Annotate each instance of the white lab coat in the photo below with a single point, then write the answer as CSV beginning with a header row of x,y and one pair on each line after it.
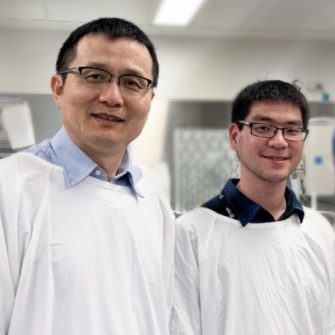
x,y
275,278
90,259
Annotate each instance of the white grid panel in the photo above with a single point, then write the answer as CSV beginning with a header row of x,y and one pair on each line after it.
x,y
204,161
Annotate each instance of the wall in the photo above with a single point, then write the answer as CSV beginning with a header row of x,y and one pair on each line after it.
x,y
217,69
191,68
27,60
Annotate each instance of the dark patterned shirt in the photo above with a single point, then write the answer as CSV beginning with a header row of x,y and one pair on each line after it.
x,y
233,203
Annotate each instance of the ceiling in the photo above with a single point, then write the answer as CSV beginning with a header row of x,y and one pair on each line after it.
x,y
310,19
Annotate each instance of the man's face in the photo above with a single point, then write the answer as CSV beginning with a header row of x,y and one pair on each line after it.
x,y
104,120
268,159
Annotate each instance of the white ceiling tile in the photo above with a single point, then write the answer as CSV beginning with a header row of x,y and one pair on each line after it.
x,y
226,14
235,18
83,10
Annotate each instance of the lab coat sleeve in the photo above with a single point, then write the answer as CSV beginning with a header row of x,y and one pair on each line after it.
x,y
9,255
331,317
6,285
18,206
186,313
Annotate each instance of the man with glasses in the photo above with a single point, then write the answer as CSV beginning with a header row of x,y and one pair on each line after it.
x,y
253,260
86,243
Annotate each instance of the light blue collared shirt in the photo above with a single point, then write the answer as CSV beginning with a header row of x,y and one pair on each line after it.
x,y
62,151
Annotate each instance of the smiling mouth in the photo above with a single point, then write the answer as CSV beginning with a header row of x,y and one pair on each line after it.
x,y
107,117
277,159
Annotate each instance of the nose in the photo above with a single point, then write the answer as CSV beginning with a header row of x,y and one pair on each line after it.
x,y
278,140
111,94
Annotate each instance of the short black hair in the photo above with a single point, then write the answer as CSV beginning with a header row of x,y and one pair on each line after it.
x,y
113,28
272,91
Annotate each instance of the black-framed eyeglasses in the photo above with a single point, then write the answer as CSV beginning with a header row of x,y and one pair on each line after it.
x,y
296,134
100,78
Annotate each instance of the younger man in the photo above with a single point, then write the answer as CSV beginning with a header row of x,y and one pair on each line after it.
x,y
253,260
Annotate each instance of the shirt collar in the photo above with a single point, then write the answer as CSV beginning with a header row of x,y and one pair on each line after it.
x,y
245,210
78,166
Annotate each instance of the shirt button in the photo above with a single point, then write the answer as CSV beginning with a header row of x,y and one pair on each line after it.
x,y
97,172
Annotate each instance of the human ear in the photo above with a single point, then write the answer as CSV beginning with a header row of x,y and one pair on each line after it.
x,y
153,93
233,132
57,88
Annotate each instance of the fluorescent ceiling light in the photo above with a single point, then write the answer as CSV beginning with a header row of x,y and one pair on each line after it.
x,y
177,12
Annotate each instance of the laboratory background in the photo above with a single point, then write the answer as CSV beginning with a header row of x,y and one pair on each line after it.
x,y
206,54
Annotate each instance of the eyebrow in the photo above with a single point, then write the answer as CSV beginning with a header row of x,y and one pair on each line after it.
x,y
266,119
